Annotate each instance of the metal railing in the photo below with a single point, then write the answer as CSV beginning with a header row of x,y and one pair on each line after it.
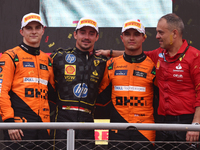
x,y
71,126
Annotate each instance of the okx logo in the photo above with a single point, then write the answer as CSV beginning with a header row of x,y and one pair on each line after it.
x,y
80,90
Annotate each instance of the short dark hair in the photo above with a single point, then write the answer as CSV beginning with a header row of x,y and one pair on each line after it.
x,y
174,22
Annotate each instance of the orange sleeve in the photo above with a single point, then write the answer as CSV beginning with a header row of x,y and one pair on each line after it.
x,y
106,80
7,71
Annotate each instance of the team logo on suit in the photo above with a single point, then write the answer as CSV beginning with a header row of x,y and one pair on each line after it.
x,y
70,58
80,90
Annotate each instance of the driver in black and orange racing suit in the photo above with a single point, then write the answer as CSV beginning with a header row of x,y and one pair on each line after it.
x,y
132,96
26,76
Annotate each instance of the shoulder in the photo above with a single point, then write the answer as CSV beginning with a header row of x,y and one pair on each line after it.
x,y
12,52
60,52
101,57
115,60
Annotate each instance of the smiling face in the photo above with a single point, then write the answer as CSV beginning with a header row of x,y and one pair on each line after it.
x,y
32,34
132,40
86,38
164,35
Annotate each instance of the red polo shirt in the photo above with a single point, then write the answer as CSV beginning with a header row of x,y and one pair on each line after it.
x,y
178,82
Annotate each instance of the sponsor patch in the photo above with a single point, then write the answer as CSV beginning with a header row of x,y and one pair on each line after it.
x,y
0,85
153,71
69,78
132,23
1,80
43,67
160,55
139,74
2,63
80,90
70,69
29,64
70,58
45,109
1,69
32,17
95,73
88,21
130,88
1,75
35,80
110,67
96,62
121,72
158,64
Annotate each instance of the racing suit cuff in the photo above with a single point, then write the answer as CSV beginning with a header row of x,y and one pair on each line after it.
x,y
9,120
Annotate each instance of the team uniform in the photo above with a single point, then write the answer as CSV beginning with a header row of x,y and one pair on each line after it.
x,y
132,79
175,104
77,76
26,76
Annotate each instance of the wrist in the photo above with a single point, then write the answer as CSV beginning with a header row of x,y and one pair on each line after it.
x,y
111,53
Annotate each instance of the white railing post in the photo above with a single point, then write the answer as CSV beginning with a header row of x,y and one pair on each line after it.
x,y
70,139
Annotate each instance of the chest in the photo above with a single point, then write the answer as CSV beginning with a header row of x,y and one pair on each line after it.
x,y
178,71
131,74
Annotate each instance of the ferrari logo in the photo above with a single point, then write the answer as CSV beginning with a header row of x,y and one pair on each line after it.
x,y
96,62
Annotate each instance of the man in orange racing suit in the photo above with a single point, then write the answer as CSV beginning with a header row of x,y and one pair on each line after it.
x,y
26,75
132,76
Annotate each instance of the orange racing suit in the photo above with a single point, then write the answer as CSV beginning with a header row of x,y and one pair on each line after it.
x,y
132,81
26,75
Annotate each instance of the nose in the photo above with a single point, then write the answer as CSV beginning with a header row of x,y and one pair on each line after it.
x,y
132,37
87,36
157,35
34,30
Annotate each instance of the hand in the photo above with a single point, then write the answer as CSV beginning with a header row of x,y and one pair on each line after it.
x,y
192,136
15,134
102,52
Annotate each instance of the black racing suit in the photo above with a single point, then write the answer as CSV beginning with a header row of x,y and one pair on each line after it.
x,y
78,75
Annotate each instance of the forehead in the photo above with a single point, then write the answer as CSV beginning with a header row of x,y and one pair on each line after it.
x,y
131,30
87,28
33,23
162,24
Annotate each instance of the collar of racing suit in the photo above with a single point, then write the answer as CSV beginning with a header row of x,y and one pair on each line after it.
x,y
134,59
29,49
83,53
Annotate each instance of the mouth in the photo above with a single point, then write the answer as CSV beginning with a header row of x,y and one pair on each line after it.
x,y
86,41
131,43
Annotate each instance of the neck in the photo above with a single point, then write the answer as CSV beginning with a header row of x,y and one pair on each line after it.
x,y
133,52
31,44
175,48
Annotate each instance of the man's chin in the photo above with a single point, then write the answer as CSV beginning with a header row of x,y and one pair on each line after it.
x,y
85,48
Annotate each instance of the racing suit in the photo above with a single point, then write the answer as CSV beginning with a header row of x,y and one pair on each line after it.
x,y
77,77
26,75
132,79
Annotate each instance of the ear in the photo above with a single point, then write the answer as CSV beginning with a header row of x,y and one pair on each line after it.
x,y
175,33
97,37
121,36
144,37
75,35
21,32
43,30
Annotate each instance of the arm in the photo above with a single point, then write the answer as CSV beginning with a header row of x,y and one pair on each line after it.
x,y
108,53
195,74
192,136
7,111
